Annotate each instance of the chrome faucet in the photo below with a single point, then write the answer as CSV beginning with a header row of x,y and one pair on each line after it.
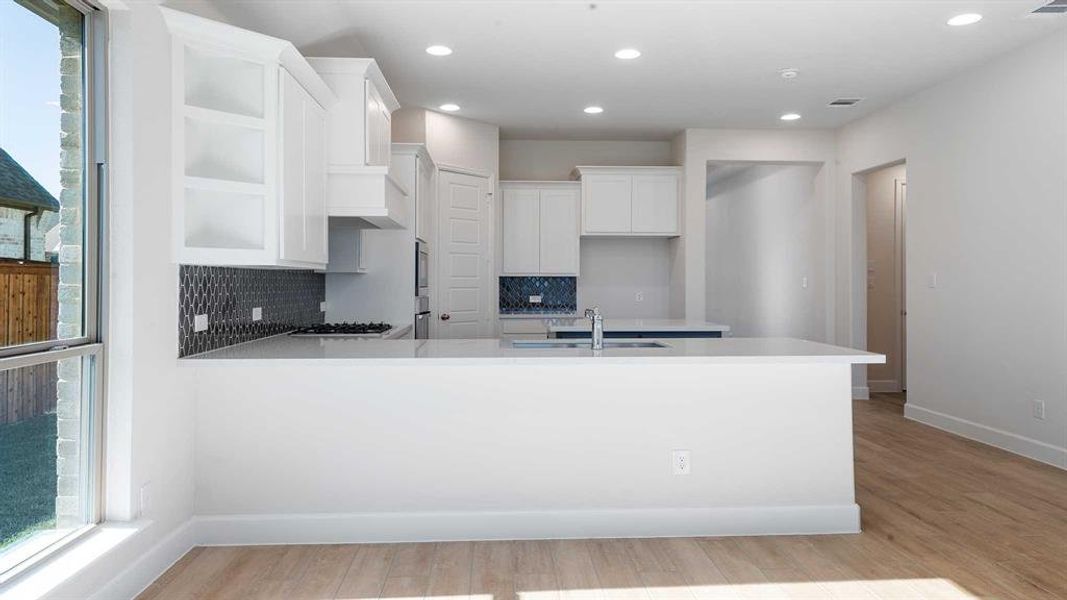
x,y
593,314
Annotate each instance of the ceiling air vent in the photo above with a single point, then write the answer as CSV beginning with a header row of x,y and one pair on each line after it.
x,y
848,101
1056,7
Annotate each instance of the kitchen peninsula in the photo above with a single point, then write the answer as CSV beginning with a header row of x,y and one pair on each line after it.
x,y
373,440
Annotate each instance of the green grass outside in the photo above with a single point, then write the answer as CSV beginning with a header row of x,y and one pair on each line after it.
x,y
27,477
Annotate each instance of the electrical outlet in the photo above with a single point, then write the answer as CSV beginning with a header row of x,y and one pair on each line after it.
x,y
931,281
146,499
804,282
639,297
681,463
322,307
1039,409
257,313
536,299
200,323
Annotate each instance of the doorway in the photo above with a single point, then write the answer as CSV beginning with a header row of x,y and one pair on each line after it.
x,y
886,208
463,251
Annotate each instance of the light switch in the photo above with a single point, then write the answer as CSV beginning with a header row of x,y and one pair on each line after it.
x,y
200,323
322,307
931,281
257,313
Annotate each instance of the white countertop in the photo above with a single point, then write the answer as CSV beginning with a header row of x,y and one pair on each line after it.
x,y
349,351
643,325
538,315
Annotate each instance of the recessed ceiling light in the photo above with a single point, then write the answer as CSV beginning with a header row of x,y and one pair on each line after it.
x,y
628,53
449,107
593,110
790,117
965,19
789,73
439,50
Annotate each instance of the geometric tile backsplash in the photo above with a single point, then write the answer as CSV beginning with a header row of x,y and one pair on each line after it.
x,y
558,294
289,298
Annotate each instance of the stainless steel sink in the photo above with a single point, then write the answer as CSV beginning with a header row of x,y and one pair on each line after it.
x,y
583,344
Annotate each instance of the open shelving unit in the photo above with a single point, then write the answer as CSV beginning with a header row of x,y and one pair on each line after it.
x,y
226,110
248,170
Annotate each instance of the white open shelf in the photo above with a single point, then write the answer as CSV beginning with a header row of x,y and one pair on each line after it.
x,y
209,115
224,83
224,219
223,151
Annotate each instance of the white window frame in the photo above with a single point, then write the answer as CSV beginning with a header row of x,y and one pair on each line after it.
x,y
90,345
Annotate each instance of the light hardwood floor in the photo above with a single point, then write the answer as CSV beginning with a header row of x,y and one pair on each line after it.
x,y
943,517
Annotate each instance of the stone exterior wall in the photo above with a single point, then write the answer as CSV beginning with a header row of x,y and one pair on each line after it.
x,y
11,224
69,500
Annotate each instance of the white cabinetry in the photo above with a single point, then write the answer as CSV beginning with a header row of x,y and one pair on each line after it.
x,y
630,201
540,228
379,127
244,193
359,133
415,170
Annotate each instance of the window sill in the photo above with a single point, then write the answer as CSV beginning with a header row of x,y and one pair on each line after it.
x,y
67,557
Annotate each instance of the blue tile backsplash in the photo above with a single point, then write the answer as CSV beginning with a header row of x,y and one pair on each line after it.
x,y
558,294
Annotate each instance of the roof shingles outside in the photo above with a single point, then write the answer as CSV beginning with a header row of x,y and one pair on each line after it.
x,y
18,189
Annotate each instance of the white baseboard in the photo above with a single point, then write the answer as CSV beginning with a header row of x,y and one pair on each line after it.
x,y
224,530
1005,440
883,385
861,392
132,580
456,526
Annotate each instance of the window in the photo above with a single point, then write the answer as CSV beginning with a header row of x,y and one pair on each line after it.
x,y
50,165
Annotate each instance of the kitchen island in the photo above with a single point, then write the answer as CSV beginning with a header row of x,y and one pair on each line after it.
x,y
319,440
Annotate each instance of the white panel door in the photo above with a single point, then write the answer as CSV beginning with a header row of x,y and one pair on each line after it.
x,y
521,231
559,231
606,203
315,220
464,231
655,203
292,211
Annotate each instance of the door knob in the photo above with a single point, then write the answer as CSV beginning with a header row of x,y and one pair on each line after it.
x,y
445,316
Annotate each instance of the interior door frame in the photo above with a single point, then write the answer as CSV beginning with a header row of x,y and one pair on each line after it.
x,y
900,206
492,290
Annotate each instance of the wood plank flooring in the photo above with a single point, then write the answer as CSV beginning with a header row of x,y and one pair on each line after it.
x,y
943,518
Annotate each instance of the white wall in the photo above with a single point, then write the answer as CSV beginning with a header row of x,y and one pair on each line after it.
x,y
386,292
765,235
553,160
451,140
698,147
986,191
614,271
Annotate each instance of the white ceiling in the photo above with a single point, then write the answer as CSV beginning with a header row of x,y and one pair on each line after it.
x,y
531,66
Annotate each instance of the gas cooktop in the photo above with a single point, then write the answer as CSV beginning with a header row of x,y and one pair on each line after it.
x,y
352,329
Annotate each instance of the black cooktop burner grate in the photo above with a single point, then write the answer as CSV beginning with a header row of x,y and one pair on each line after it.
x,y
345,329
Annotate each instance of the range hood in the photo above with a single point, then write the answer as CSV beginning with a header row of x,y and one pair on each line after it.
x,y
358,182
368,193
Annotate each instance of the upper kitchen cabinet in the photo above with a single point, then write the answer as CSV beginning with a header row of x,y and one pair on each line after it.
x,y
416,171
540,227
630,201
359,134
249,154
